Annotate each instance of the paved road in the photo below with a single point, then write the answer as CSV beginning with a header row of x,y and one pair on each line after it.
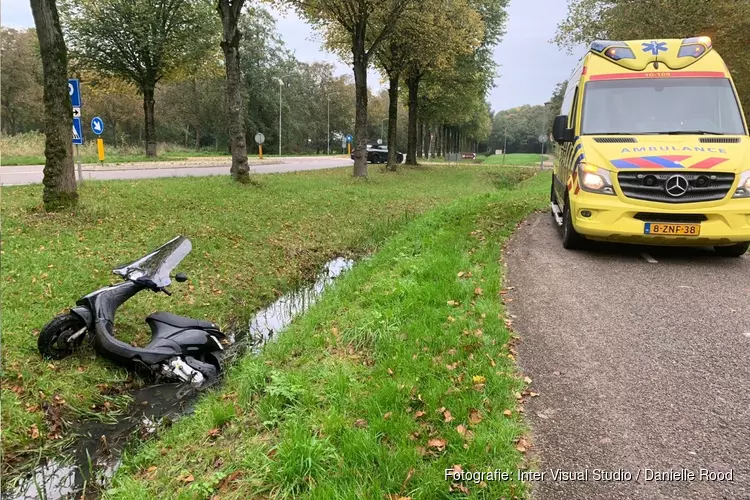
x,y
638,365
32,174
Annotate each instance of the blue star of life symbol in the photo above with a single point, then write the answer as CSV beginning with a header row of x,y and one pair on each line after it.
x,y
655,47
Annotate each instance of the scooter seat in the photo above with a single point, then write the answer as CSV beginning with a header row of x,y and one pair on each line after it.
x,y
180,321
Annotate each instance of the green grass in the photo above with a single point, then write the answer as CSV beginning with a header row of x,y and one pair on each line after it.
x,y
401,371
250,244
518,159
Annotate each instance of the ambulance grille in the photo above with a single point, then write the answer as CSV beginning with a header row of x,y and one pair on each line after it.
x,y
702,187
720,140
614,140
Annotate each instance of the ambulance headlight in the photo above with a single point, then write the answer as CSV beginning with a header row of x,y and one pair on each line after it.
x,y
743,187
594,179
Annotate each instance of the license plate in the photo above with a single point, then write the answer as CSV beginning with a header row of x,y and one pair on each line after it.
x,y
672,229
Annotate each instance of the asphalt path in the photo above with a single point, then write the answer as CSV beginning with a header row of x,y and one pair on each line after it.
x,y
33,174
642,361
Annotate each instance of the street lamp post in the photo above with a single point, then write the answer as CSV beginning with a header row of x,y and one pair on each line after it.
x,y
329,119
281,83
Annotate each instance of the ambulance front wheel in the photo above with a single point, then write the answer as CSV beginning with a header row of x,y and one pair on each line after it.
x,y
571,239
737,250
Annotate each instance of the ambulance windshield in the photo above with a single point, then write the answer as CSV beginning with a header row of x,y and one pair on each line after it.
x,y
661,106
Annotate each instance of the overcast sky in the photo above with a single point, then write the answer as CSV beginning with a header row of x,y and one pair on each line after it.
x,y
529,65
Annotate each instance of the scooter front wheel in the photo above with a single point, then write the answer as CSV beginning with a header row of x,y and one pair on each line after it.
x,y
54,340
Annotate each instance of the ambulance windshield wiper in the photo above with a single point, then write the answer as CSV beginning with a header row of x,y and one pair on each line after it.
x,y
691,132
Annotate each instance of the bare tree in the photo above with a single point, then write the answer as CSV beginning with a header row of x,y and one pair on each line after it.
x,y
59,176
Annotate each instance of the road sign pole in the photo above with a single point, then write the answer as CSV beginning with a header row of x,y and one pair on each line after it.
x,y
78,159
260,151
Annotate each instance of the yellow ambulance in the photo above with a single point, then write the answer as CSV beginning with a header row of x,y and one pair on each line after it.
x,y
653,148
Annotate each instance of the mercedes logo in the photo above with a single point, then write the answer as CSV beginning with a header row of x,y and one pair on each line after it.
x,y
677,185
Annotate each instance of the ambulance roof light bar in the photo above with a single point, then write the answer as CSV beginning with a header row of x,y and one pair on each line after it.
x,y
612,50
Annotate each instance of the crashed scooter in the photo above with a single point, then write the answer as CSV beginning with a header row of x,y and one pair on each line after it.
x,y
181,349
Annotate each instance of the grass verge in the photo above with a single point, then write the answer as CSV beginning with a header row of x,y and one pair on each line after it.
x,y
403,370
251,243
517,159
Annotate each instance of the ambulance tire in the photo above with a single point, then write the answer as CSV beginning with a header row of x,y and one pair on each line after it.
x,y
571,239
737,250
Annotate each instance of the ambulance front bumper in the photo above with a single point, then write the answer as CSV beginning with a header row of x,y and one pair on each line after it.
x,y
609,218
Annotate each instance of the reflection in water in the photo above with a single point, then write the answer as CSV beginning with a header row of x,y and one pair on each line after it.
x,y
277,316
100,445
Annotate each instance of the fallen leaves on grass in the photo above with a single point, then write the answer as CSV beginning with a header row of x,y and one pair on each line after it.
x,y
508,413
34,431
478,291
437,444
474,416
419,414
522,445
360,423
452,303
188,478
388,415
459,487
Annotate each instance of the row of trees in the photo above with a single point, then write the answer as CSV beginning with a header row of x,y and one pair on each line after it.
x,y
440,51
189,107
727,22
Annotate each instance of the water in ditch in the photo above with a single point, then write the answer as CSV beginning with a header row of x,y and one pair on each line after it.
x,y
90,462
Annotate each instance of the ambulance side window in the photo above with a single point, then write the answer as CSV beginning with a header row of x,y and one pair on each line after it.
x,y
574,111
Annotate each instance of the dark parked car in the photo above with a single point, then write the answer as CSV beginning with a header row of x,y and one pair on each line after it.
x,y
377,153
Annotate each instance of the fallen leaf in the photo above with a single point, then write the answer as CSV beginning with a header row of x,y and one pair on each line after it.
x,y
460,274
360,422
388,415
447,417
437,443
214,432
419,414
460,487
533,394
452,303
522,445
474,416
414,435
508,413
478,291
187,479
451,319
452,366
527,380
151,469
479,379
34,431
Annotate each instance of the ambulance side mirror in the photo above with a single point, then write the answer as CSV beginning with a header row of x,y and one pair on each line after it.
x,y
560,130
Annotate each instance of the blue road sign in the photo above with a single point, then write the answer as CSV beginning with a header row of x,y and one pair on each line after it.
x,y
74,90
77,131
349,138
97,125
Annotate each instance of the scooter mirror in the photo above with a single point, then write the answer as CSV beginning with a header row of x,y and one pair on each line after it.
x,y
180,277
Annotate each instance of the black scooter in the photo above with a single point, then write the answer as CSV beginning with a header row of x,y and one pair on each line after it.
x,y
181,349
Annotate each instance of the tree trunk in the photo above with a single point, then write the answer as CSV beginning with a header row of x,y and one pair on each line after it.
x,y
148,111
59,175
197,137
360,91
411,151
229,11
392,120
